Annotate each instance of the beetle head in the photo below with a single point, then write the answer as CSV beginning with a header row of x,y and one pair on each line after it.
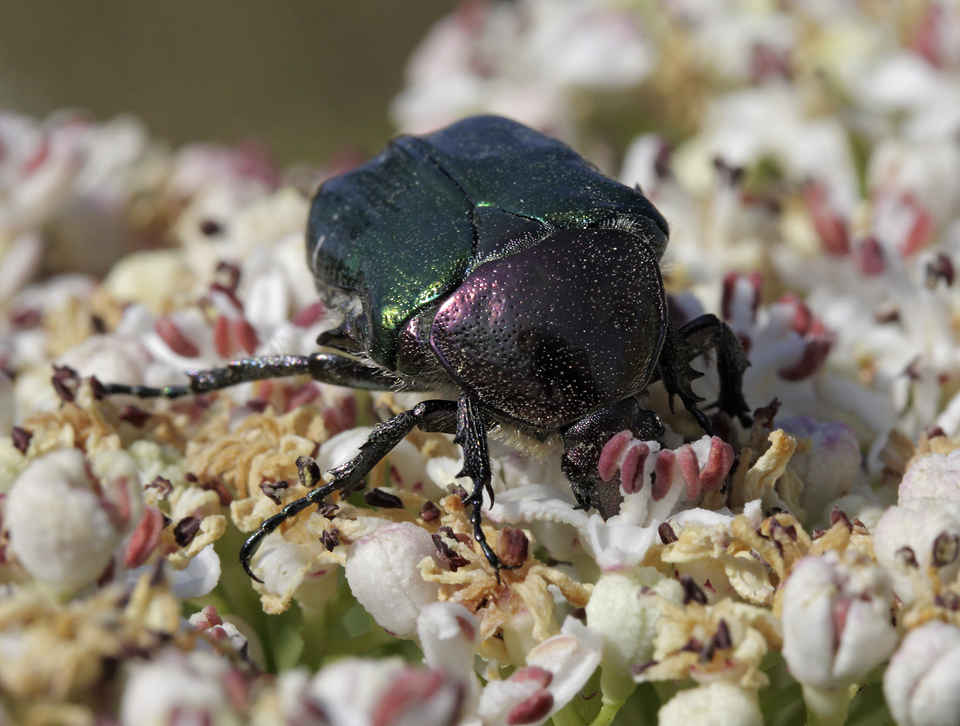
x,y
557,330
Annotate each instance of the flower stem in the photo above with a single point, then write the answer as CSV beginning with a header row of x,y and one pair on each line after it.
x,y
826,706
608,712
566,716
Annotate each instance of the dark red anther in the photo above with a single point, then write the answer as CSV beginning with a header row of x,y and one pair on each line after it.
x,y
945,549
690,469
448,554
719,463
513,547
921,231
661,163
721,638
667,535
145,537
21,439
65,382
309,315
404,699
631,470
838,515
383,499
870,257
211,228
134,416
245,335
209,618
610,455
733,284
227,276
830,227
536,708
768,62
639,668
692,591
429,512
163,486
38,158
174,337
907,556
815,352
272,489
330,539
802,317
185,530
221,337
662,474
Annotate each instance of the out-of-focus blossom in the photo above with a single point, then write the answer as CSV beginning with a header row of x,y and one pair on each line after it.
x,y
836,621
933,476
920,684
829,469
177,685
914,540
555,672
65,518
525,62
720,702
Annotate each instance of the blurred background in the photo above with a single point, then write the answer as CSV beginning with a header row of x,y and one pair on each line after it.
x,y
303,77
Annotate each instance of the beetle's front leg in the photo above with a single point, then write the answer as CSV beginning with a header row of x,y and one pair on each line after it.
x,y
583,442
693,339
333,368
472,436
708,331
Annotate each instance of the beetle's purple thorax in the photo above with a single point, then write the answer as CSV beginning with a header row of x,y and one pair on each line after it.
x,y
549,334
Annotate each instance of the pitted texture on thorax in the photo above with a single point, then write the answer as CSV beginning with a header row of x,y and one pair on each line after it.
x,y
558,330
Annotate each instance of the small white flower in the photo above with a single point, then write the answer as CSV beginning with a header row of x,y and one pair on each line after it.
x,y
628,623
64,526
385,692
934,476
176,684
712,704
913,537
448,634
383,573
829,470
555,672
836,621
922,682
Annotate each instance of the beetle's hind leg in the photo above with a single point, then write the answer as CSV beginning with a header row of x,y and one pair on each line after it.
x,y
333,368
428,415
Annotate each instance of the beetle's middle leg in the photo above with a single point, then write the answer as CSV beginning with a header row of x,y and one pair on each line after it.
x,y
472,437
429,415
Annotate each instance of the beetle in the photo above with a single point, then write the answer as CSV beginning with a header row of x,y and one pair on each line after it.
x,y
492,265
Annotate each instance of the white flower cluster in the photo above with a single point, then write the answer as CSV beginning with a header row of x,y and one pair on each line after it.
x,y
806,157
